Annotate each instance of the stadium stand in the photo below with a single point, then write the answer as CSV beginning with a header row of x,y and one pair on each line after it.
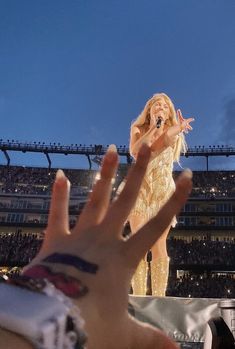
x,y
201,247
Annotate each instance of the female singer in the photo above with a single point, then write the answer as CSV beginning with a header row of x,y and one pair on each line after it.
x,y
157,126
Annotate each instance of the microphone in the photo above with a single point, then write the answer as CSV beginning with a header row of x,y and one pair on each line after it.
x,y
159,122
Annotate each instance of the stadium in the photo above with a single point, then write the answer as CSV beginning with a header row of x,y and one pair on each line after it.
x,y
201,246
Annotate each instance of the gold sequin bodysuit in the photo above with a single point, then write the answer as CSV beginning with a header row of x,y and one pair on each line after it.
x,y
157,186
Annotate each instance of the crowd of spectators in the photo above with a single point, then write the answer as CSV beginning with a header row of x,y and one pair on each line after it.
x,y
213,184
201,252
202,286
18,249
38,181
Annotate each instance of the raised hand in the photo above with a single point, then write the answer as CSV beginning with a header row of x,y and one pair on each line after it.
x,y
97,238
184,123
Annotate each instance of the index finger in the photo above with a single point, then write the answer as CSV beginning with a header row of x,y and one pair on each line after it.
x,y
58,214
179,114
98,201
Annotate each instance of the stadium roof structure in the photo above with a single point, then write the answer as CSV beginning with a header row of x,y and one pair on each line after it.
x,y
98,150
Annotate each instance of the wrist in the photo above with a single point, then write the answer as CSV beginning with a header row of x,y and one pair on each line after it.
x,y
182,127
63,279
64,271
34,279
49,317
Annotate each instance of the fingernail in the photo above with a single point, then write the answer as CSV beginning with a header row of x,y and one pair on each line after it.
x,y
112,148
187,173
111,154
59,174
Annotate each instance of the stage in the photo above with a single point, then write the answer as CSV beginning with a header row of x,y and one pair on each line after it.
x,y
182,319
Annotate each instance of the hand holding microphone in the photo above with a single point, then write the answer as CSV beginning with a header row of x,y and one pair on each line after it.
x,y
159,122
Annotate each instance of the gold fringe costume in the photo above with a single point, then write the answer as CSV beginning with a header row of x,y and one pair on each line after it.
x,y
157,187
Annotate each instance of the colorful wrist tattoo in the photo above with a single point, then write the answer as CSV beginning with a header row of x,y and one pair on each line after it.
x,y
76,262
35,278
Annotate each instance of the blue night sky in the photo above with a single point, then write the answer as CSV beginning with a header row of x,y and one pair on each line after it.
x,y
81,71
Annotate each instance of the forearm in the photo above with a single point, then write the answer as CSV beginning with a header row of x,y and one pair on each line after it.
x,y
135,145
168,139
11,340
174,131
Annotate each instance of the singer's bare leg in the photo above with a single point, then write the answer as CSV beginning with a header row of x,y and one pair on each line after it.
x,y
159,249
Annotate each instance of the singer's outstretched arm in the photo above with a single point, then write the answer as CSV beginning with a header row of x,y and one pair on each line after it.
x,y
158,137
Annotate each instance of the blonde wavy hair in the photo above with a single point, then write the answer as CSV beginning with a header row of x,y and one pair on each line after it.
x,y
143,120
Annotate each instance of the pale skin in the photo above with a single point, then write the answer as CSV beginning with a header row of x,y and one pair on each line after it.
x,y
97,237
158,139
